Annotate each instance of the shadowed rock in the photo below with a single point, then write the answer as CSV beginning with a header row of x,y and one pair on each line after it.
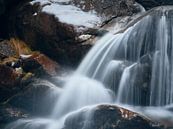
x,y
107,117
148,4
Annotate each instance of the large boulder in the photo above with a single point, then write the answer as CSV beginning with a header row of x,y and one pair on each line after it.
x,y
107,117
38,98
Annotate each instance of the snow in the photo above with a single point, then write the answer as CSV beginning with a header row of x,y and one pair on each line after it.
x,y
84,37
49,1
35,14
70,14
40,1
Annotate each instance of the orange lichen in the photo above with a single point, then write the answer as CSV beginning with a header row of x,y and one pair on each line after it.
x,y
8,60
20,47
127,114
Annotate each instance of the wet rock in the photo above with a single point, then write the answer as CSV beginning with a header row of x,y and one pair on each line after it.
x,y
9,114
148,4
107,117
37,98
161,115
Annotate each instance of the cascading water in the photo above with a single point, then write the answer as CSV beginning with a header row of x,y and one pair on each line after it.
x,y
144,54
134,67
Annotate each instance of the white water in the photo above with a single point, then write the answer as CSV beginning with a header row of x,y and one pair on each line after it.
x,y
79,92
135,67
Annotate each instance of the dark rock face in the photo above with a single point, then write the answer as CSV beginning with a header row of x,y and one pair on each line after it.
x,y
9,82
6,6
2,7
148,4
107,117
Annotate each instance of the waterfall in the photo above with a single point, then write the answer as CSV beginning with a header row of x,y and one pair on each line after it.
x,y
80,92
143,53
133,67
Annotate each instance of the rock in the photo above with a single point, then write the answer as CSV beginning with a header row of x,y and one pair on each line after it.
x,y
20,47
17,55
107,117
37,62
6,49
9,114
8,76
19,65
13,48
9,82
6,6
46,26
148,4
109,8
162,115
37,98
2,7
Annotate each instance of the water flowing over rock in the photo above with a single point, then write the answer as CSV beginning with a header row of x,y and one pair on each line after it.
x,y
132,67
37,99
146,47
85,94
148,4
107,117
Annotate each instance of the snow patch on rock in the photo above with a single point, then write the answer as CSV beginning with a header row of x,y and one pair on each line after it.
x,y
70,14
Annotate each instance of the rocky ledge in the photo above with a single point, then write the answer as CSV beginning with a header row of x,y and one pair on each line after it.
x,y
108,117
